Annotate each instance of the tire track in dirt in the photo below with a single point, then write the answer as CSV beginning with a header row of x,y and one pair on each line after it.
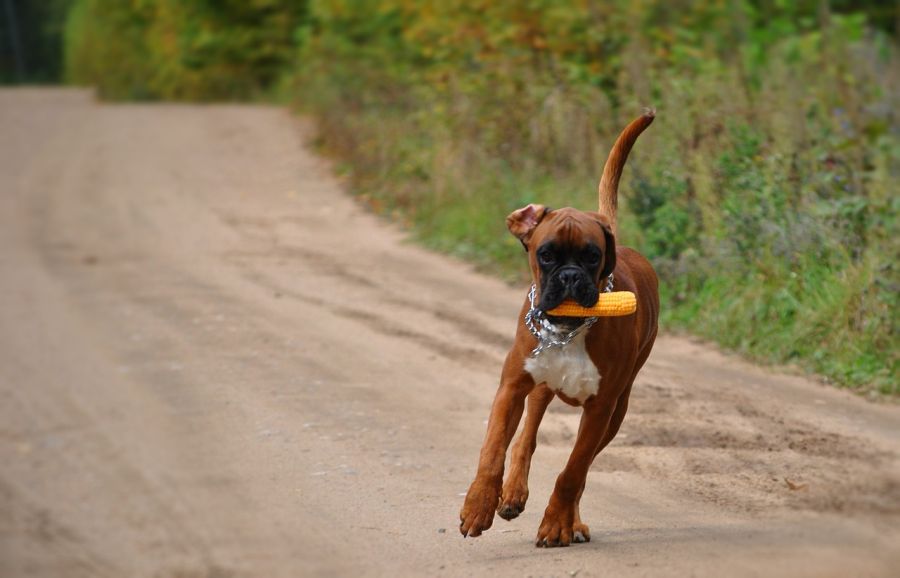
x,y
214,363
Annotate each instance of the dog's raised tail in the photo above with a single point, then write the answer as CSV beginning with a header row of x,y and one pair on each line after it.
x,y
612,171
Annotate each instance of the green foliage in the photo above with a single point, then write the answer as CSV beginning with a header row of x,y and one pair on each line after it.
x,y
204,49
762,193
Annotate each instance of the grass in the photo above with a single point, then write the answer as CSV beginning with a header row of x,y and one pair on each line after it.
x,y
764,193
761,193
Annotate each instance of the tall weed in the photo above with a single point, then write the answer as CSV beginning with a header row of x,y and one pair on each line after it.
x,y
169,49
763,194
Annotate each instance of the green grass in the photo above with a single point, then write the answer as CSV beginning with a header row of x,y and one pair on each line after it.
x,y
764,193
174,50
761,193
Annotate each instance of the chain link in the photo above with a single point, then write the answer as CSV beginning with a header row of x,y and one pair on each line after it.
x,y
546,334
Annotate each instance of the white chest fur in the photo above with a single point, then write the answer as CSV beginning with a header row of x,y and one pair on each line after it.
x,y
568,370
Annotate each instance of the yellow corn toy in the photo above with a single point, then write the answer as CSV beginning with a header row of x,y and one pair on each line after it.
x,y
615,304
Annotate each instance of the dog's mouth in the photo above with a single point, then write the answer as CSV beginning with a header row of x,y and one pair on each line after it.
x,y
568,284
563,324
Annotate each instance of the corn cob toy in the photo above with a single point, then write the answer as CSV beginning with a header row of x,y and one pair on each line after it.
x,y
614,304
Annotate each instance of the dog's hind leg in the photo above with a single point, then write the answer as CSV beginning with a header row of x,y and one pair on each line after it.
x,y
515,489
617,418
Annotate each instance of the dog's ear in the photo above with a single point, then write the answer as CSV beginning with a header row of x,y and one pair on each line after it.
x,y
522,222
609,255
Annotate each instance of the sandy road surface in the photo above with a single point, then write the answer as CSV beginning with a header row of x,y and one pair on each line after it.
x,y
213,364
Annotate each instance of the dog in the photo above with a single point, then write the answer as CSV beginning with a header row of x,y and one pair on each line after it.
x,y
590,363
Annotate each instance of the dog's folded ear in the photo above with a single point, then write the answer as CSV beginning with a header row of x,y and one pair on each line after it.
x,y
522,222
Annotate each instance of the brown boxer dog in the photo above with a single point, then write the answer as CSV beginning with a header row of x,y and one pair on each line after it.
x,y
587,363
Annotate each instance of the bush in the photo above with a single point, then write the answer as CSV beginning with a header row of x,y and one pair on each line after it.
x,y
760,194
764,193
168,49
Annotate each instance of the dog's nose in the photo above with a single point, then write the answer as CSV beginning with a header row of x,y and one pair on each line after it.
x,y
569,277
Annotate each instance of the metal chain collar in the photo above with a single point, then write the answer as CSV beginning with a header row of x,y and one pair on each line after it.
x,y
546,334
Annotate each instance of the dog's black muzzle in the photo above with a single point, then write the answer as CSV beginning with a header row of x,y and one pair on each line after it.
x,y
568,282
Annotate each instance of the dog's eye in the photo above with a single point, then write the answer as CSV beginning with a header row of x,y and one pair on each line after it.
x,y
592,257
546,258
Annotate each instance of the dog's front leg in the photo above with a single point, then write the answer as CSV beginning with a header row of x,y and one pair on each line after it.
x,y
515,488
477,513
558,526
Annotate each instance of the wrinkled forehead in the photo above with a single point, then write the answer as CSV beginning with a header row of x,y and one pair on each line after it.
x,y
569,228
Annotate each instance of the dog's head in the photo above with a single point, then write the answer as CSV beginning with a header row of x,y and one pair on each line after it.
x,y
571,252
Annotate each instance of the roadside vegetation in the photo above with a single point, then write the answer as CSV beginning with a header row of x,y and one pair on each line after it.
x,y
765,192
177,50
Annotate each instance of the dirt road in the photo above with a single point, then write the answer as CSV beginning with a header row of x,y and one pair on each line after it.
x,y
213,364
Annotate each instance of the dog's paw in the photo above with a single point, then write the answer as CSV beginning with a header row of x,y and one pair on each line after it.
x,y
581,533
557,528
477,513
512,502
